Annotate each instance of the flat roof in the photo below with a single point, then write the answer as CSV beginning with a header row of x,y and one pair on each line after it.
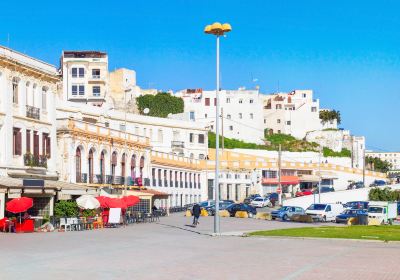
x,y
84,54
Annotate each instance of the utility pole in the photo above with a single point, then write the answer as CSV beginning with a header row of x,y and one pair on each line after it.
x,y
364,167
222,127
279,174
319,174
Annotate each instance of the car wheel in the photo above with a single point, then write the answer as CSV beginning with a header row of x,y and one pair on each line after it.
x,y
250,215
285,217
269,204
273,218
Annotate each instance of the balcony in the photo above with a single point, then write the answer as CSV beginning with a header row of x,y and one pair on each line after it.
x,y
35,160
32,112
177,144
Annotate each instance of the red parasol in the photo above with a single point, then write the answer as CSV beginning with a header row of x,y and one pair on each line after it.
x,y
103,201
18,205
131,200
116,203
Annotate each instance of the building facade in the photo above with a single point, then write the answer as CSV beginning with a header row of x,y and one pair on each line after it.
x,y
85,76
392,157
241,112
294,113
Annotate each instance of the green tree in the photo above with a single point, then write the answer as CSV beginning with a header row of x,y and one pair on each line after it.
x,y
377,164
66,208
386,194
160,105
330,115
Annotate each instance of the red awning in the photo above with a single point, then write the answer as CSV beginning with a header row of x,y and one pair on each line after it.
x,y
285,180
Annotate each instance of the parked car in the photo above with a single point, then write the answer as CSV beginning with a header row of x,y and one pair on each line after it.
x,y
286,212
349,213
383,211
222,206
324,211
250,198
378,183
355,185
304,192
233,208
324,190
227,201
207,203
356,205
261,202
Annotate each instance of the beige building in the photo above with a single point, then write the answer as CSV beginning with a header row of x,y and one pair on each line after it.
x,y
392,157
85,76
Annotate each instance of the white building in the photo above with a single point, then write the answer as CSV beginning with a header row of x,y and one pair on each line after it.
x,y
165,154
294,113
85,76
392,157
242,112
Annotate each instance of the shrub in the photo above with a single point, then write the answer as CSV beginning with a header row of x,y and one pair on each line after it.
x,y
66,208
386,194
160,105
330,153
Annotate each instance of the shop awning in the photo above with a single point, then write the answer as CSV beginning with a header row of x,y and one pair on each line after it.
x,y
149,193
309,178
327,175
285,180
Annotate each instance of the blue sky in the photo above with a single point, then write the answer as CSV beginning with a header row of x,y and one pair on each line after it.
x,y
346,51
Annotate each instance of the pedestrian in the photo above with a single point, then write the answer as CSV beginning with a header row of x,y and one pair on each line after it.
x,y
196,214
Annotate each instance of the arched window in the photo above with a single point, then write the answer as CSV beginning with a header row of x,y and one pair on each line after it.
x,y
90,163
78,165
141,166
102,168
15,82
114,162
133,167
123,165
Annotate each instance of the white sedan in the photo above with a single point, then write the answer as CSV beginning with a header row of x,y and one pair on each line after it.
x,y
260,202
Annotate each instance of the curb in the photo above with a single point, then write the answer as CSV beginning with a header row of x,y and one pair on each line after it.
x,y
323,238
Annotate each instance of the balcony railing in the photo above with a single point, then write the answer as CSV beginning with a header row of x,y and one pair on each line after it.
x,y
154,182
165,183
186,185
35,160
32,112
177,144
171,184
191,185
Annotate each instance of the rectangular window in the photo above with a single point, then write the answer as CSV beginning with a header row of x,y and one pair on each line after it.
x,y
278,106
74,72
81,90
228,100
251,115
96,73
205,116
313,109
74,89
240,115
191,136
251,101
81,72
288,122
240,101
278,121
28,141
231,127
96,91
46,145
207,101
201,138
44,99
17,141
215,101
192,116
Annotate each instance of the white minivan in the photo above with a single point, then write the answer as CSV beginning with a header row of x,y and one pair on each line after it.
x,y
324,211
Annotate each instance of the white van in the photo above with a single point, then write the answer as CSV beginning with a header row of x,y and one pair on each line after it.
x,y
385,212
324,211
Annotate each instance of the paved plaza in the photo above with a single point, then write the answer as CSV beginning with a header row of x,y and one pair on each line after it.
x,y
172,250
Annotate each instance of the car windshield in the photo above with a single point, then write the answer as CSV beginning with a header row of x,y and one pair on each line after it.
x,y
284,208
375,209
350,212
258,199
317,207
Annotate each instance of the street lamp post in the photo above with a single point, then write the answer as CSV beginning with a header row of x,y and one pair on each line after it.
x,y
218,30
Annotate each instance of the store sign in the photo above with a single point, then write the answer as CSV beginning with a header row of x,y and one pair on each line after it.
x,y
35,183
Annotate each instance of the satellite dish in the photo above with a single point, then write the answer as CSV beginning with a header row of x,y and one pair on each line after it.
x,y
146,111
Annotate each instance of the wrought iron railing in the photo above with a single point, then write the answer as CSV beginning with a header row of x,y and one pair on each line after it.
x,y
35,160
32,112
